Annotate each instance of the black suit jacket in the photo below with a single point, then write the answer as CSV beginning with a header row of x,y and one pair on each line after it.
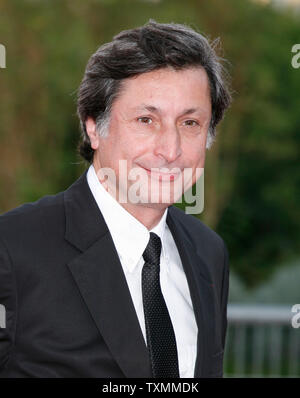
x,y
69,312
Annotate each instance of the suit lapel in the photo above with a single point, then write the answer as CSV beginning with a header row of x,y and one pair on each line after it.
x,y
200,285
99,276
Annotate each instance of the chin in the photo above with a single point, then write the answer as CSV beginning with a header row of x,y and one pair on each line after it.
x,y
155,205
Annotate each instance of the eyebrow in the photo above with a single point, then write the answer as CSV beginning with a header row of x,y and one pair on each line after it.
x,y
154,109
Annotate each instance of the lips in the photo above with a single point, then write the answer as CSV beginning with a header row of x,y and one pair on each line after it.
x,y
161,174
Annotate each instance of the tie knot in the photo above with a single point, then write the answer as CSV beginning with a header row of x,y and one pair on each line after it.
x,y
152,252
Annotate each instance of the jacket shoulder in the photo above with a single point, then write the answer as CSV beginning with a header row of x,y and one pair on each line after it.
x,y
25,216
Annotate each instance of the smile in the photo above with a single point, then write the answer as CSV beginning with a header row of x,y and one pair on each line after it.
x,y
162,175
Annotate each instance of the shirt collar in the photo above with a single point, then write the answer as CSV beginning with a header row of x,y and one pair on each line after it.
x,y
130,236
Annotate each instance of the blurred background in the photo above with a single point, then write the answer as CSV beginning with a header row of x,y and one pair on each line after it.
x,y
252,174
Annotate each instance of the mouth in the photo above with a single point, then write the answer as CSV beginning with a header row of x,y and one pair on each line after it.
x,y
163,174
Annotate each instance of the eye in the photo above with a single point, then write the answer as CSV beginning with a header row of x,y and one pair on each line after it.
x,y
191,123
145,120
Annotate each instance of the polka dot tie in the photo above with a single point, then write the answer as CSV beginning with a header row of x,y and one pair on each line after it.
x,y
160,335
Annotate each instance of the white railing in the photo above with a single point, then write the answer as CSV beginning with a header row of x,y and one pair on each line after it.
x,y
261,342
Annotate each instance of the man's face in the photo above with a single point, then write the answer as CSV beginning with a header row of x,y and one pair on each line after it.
x,y
160,120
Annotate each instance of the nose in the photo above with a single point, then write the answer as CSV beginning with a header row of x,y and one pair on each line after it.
x,y
168,144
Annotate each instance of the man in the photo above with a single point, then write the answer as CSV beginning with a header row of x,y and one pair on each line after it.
x,y
96,286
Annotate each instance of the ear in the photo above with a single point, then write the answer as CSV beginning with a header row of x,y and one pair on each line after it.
x,y
90,126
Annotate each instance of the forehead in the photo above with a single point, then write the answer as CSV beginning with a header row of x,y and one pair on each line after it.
x,y
189,87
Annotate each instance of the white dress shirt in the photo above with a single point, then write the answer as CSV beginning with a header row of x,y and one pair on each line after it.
x,y
131,237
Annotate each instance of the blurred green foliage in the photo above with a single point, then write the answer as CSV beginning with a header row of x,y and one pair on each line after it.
x,y
252,174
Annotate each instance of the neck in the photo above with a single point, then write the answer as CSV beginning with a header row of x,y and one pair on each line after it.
x,y
148,216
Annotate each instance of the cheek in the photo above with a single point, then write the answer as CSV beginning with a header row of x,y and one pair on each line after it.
x,y
134,149
194,154
129,143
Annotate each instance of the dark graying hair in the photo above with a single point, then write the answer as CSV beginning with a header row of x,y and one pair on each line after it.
x,y
144,49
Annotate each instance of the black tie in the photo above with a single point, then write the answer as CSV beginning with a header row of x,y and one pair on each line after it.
x,y
159,330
